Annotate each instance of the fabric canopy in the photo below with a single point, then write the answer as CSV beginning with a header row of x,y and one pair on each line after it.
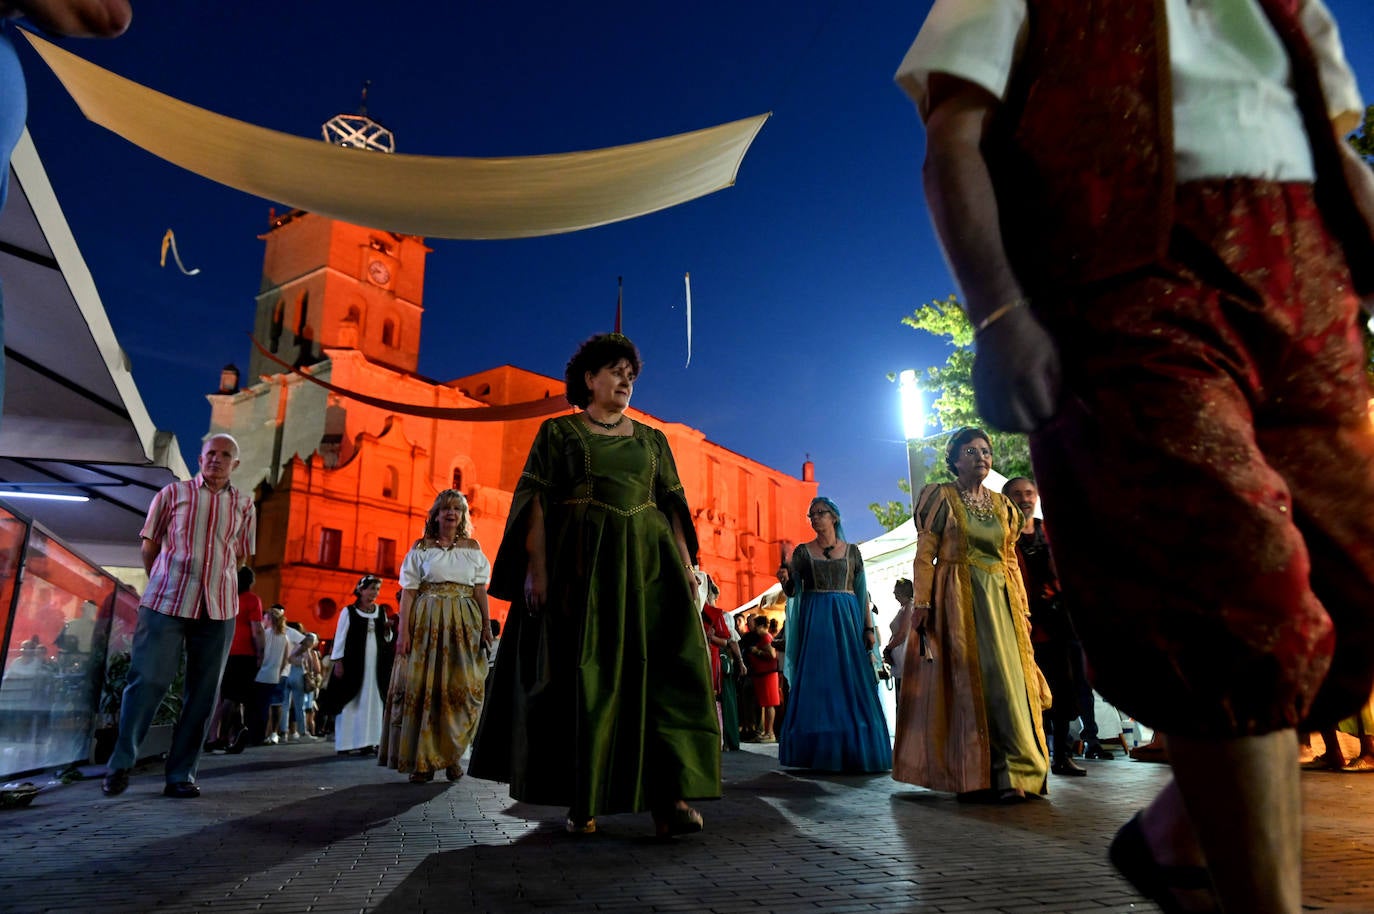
x,y
441,197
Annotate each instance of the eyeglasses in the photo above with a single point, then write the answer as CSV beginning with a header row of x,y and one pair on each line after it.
x,y
812,515
977,452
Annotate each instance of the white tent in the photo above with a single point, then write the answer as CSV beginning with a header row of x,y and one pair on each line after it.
x,y
73,421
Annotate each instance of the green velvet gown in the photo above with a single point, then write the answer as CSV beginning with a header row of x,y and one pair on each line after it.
x,y
602,703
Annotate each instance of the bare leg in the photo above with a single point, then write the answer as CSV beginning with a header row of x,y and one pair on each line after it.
x,y
1243,798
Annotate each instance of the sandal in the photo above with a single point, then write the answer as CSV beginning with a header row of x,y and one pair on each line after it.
x,y
1359,765
1130,854
453,772
1323,762
580,825
421,777
677,821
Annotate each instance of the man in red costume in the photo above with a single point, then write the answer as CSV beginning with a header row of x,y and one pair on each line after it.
x,y
1155,223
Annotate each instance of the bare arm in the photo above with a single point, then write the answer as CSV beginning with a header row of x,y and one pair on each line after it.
x,y
1016,371
1360,177
680,538
537,576
75,18
149,550
403,623
479,594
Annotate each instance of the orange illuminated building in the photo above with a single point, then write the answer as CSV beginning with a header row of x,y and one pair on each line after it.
x,y
343,486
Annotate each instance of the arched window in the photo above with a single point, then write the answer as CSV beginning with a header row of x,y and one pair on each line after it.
x,y
389,482
389,336
457,479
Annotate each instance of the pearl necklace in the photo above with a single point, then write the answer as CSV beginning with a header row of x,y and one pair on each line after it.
x,y
608,426
979,506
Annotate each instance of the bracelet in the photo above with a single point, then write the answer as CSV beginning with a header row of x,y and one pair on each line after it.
x,y
1000,313
868,630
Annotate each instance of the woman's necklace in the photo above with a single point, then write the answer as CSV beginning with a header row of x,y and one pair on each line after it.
x,y
980,506
608,426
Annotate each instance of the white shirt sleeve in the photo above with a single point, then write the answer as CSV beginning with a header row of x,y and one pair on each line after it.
x,y
481,570
975,40
1338,82
336,650
413,569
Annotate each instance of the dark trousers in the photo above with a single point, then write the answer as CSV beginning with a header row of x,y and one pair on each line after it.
x,y
158,643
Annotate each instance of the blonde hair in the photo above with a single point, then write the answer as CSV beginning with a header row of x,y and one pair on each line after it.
x,y
441,501
278,616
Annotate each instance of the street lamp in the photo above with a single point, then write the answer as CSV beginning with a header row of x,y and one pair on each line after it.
x,y
913,429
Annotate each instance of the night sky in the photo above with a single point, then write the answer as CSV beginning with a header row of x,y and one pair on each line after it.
x,y
800,273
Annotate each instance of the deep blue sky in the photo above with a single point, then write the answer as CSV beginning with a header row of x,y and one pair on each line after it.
x,y
800,273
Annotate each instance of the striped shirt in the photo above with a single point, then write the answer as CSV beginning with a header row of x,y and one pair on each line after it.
x,y
205,536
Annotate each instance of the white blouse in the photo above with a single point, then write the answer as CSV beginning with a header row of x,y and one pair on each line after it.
x,y
459,565
1234,112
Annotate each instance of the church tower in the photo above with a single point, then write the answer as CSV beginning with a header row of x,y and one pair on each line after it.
x,y
330,284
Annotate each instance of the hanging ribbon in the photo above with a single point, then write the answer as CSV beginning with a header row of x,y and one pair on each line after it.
x,y
529,409
170,241
687,281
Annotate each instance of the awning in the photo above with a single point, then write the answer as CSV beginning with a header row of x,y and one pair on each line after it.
x,y
434,196
72,413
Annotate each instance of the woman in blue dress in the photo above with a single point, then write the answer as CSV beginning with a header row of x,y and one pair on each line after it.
x,y
834,720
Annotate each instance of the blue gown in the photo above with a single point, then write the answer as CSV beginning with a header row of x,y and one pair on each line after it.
x,y
834,720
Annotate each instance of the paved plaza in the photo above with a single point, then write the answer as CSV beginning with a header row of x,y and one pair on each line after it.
x,y
297,828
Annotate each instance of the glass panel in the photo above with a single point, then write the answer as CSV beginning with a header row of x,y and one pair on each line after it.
x,y
55,661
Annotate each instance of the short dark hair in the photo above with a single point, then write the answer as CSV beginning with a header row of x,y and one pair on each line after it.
x,y
595,354
760,621
246,579
957,441
905,585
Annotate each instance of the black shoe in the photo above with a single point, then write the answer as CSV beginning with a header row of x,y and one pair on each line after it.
x,y
116,782
239,744
216,745
1131,855
1068,767
182,790
1099,752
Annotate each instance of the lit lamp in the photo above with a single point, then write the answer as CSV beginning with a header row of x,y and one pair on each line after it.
x,y
913,429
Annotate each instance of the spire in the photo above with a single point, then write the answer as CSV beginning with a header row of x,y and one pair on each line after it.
x,y
359,130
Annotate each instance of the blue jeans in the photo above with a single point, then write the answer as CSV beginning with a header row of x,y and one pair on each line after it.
x,y
295,700
158,643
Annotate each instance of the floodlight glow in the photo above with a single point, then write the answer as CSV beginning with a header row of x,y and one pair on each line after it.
x,y
913,409
44,496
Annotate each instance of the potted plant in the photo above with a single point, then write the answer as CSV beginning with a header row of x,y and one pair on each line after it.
x,y
159,738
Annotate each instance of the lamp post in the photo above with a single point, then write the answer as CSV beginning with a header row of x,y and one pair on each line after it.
x,y
913,429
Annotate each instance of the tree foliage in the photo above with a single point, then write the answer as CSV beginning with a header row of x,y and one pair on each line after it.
x,y
951,407
1363,138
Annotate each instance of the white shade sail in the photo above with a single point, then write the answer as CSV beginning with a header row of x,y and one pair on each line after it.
x,y
435,196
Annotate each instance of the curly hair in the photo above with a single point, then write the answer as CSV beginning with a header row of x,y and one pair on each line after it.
x,y
956,444
441,501
599,352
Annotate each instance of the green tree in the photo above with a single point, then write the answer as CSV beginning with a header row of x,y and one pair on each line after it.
x,y
951,408
1363,138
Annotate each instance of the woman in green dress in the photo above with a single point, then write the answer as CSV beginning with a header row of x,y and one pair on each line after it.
x,y
972,696
602,699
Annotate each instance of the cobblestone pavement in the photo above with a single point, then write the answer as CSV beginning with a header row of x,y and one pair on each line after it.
x,y
297,828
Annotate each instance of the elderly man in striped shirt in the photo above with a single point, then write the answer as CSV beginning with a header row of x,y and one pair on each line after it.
x,y
196,536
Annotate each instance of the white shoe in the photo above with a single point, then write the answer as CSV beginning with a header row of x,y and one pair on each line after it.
x,y
271,740
292,737
311,738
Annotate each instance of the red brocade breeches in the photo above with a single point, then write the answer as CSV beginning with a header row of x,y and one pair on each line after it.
x,y
1209,483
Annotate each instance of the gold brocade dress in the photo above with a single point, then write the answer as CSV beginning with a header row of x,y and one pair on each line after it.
x,y
971,718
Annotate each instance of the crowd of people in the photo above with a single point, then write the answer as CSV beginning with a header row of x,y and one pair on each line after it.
x,y
1171,298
